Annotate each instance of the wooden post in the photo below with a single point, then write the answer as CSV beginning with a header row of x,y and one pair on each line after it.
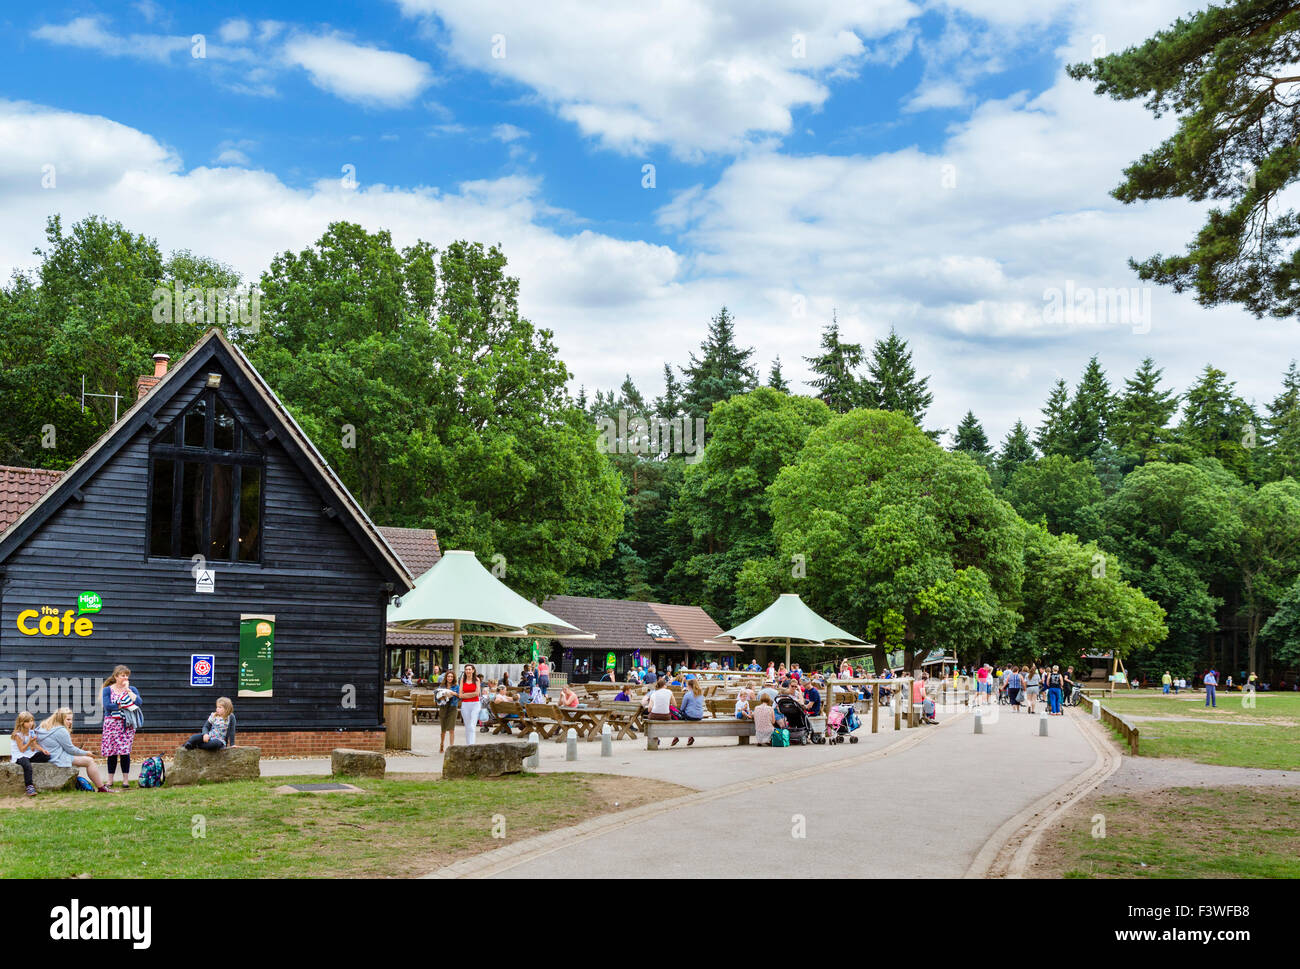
x,y
898,707
875,708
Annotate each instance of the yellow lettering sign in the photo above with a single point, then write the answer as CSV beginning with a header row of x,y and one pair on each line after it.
x,y
22,624
50,623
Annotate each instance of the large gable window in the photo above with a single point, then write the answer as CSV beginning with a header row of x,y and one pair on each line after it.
x,y
205,486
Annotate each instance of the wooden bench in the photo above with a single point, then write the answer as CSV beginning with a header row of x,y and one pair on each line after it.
x,y
545,718
625,718
722,707
423,703
655,730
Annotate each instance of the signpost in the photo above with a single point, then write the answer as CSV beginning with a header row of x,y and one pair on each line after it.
x,y
256,655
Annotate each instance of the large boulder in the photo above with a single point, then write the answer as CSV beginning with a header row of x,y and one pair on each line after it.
x,y
45,777
346,762
485,760
214,766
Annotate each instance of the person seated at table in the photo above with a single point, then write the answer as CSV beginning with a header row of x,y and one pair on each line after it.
x,y
608,677
692,707
764,719
659,701
567,697
622,695
502,694
676,680
743,711
408,678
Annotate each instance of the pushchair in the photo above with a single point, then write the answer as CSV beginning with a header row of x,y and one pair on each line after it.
x,y
841,721
797,722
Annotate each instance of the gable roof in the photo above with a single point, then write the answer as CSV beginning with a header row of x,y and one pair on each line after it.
x,y
20,488
215,347
621,624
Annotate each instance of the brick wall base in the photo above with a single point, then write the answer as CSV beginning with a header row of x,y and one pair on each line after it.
x,y
289,743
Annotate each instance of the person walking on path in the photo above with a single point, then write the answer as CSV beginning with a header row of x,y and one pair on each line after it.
x,y
1166,682
1211,681
543,675
471,701
1033,683
982,677
1054,683
121,703
1015,683
448,701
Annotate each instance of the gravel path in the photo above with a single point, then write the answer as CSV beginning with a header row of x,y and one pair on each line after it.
x,y
1155,773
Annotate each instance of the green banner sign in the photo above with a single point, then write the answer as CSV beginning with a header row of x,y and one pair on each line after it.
x,y
609,661
536,653
256,654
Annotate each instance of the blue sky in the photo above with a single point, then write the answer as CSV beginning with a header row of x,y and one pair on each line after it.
x,y
922,164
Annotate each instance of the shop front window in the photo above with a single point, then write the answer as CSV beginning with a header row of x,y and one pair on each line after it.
x,y
205,486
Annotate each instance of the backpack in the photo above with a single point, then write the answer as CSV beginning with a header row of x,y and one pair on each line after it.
x,y
781,737
83,784
152,773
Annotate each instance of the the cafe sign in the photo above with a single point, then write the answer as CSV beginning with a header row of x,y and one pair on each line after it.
x,y
49,621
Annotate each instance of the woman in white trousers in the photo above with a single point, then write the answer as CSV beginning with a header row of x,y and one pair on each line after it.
x,y
471,697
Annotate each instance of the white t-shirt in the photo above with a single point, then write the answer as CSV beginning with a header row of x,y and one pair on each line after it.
x,y
742,705
661,700
15,753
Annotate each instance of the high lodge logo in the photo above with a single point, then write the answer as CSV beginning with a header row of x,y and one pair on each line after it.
x,y
47,621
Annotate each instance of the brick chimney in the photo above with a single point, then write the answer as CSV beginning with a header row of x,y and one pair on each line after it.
x,y
145,384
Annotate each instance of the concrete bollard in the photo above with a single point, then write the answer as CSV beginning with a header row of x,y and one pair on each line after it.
x,y
1042,723
1096,709
979,720
535,760
571,745
606,741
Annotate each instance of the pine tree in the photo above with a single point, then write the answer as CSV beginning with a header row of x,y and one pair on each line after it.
x,y
1089,412
971,438
836,383
775,379
1140,423
891,382
1016,450
1281,444
720,372
1053,433
670,404
582,397
1216,423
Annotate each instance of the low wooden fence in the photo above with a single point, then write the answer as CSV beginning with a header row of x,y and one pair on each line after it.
x,y
1125,728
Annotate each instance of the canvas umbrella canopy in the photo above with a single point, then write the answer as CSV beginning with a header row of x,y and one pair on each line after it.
x,y
458,592
788,621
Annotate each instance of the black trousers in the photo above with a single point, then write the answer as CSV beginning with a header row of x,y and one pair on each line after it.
x,y
26,764
112,764
197,741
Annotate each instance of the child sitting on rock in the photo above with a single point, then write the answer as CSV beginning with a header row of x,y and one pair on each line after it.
x,y
219,731
24,750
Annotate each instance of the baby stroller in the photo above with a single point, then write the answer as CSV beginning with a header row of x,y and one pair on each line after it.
x,y
841,722
796,718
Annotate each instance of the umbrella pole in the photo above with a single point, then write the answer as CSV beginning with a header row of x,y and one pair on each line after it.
x,y
787,655
455,648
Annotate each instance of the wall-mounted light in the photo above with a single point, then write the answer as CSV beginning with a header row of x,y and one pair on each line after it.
x,y
214,380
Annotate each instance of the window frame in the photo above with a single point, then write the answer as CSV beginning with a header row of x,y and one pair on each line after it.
x,y
248,454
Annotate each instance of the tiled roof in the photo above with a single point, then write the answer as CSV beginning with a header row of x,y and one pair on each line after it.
x,y
19,490
621,624
418,549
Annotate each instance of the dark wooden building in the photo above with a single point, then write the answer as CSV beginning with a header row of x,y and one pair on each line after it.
x,y
97,567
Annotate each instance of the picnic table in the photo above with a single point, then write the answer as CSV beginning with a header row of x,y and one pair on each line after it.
x,y
586,720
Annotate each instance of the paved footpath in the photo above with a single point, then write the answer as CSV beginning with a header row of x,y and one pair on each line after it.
x,y
936,793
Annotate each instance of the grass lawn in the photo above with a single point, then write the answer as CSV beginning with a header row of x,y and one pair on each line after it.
x,y
1188,832
1266,735
397,828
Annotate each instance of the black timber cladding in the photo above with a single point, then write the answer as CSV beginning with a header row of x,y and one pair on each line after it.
x,y
324,581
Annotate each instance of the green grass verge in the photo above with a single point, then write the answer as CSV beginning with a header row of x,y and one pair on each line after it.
x,y
1226,832
245,830
1266,735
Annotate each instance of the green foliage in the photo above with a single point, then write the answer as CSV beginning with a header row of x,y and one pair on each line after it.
x,y
1075,602
1268,553
1282,631
775,380
1140,423
891,383
722,514
1060,493
898,535
1175,527
720,372
1053,435
836,382
1089,413
457,406
1216,423
971,439
1227,73
1016,451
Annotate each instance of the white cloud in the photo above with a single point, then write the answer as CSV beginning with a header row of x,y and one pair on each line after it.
x,y
507,133
235,31
697,76
89,33
359,73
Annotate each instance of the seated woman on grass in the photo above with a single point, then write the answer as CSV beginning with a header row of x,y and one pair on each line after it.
x,y
55,736
219,731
